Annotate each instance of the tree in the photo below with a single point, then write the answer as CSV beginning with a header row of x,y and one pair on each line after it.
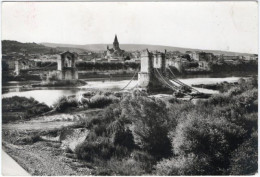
x,y
150,124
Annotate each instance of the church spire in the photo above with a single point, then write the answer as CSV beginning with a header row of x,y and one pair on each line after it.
x,y
115,40
116,43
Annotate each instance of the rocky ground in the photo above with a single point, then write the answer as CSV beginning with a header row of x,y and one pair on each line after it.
x,y
47,156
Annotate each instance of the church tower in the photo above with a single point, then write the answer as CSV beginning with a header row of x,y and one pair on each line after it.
x,y
116,43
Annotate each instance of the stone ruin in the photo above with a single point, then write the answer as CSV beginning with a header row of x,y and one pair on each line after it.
x,y
66,67
153,70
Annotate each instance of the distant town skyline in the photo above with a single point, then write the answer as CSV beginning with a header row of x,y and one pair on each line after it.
x,y
227,26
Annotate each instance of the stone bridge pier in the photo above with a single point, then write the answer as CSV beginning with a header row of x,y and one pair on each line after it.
x,y
66,67
153,69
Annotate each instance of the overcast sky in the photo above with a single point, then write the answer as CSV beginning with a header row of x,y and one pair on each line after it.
x,y
229,26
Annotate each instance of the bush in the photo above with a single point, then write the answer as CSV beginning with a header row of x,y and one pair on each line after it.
x,y
102,148
64,103
37,110
189,164
125,167
146,160
212,137
124,138
90,150
101,101
19,108
29,139
244,160
150,124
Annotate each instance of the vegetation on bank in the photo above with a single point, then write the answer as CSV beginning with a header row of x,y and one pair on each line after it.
x,y
219,68
21,108
106,65
61,83
241,66
141,135
88,101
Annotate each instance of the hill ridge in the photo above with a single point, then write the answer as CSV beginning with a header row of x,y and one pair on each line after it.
x,y
134,47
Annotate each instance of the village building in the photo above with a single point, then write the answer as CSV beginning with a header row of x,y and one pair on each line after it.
x,y
115,52
179,63
204,65
202,56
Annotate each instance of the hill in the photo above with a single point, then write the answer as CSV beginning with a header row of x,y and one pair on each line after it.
x,y
9,46
15,46
49,48
134,47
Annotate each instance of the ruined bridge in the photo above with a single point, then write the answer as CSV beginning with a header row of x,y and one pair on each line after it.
x,y
153,76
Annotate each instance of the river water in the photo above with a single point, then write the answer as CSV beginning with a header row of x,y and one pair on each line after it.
x,y
49,95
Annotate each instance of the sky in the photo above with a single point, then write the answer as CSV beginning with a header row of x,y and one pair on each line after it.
x,y
228,26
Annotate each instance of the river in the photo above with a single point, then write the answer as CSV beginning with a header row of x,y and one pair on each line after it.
x,y
49,95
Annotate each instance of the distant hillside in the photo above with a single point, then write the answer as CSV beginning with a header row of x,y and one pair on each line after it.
x,y
14,46
34,48
134,47
49,48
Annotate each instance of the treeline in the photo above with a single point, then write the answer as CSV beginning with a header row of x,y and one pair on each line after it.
x,y
251,66
106,65
138,135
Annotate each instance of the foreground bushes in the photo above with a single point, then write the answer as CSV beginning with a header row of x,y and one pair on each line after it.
x,y
215,136
142,135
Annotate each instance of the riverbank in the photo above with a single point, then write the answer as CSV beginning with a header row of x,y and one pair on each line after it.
x,y
32,145
61,83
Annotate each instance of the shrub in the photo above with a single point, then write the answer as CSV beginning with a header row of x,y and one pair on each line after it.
x,y
124,138
145,159
244,160
37,110
64,103
101,101
212,136
101,148
125,167
189,164
149,123
19,108
30,139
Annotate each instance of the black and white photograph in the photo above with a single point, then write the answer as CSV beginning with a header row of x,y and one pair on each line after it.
x,y
129,88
